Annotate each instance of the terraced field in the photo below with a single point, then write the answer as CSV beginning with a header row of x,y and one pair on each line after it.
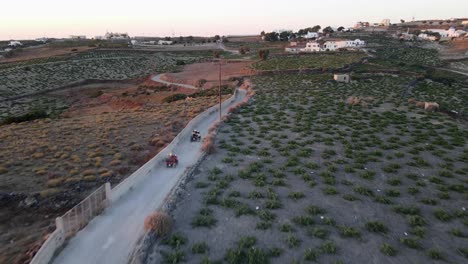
x,y
309,61
300,175
23,78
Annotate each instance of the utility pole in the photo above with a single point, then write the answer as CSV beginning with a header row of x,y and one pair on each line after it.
x,y
219,89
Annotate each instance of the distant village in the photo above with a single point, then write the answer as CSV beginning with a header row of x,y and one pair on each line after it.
x,y
316,39
313,39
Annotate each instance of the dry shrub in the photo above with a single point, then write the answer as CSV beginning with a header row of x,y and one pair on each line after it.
x,y
353,100
41,172
72,180
74,172
88,172
362,101
115,162
49,192
431,106
3,170
411,101
157,142
420,104
55,182
37,155
214,127
90,178
158,222
106,174
208,143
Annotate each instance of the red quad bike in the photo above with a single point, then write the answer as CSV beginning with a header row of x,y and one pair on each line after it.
x,y
172,160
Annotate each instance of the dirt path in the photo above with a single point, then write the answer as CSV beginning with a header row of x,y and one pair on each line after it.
x,y
459,72
112,236
158,79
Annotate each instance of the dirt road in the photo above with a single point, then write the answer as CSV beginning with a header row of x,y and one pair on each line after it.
x,y
111,237
157,78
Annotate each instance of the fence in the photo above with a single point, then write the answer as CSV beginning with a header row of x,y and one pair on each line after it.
x,y
80,215
73,221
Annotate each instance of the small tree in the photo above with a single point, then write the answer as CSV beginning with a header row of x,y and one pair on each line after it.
x,y
402,21
340,29
201,83
216,54
263,54
315,28
328,30
242,50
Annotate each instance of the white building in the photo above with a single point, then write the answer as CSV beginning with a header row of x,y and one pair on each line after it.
x,y
116,36
385,22
165,42
451,33
311,35
328,45
15,43
425,36
342,78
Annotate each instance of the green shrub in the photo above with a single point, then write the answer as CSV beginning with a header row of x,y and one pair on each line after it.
x,y
311,254
377,227
199,248
388,250
442,215
435,254
174,97
292,241
173,257
411,242
328,247
346,231
204,218
175,240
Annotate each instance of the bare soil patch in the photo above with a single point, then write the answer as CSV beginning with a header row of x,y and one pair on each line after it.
x,y
43,52
208,71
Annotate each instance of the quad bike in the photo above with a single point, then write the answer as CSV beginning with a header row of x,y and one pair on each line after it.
x,y
195,136
172,160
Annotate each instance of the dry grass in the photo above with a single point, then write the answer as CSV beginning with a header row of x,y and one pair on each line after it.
x,y
159,223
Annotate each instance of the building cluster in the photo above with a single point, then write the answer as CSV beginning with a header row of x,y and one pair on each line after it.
x,y
434,34
363,25
321,45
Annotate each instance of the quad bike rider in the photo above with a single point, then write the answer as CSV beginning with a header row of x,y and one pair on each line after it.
x,y
172,160
195,136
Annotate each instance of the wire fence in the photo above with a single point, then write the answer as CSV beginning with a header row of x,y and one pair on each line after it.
x,y
80,215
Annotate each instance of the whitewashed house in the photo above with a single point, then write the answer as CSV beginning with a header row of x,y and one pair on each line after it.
x,y
425,36
451,33
325,45
15,43
165,42
116,36
342,78
311,35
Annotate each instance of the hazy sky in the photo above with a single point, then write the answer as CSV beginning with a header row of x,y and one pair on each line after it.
x,y
22,19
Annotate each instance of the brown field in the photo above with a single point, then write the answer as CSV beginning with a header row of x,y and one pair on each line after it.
x,y
43,52
208,71
246,39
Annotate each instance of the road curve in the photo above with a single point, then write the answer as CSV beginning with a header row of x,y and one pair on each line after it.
x,y
111,237
157,78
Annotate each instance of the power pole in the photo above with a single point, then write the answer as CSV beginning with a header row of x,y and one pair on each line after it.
x,y
219,89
